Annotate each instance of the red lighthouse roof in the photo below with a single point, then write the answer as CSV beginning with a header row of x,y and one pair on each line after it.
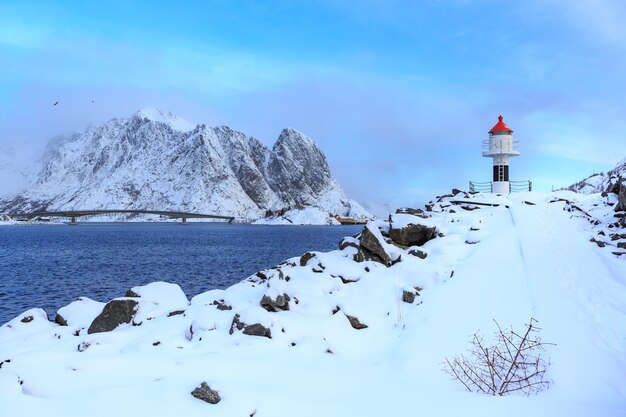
x,y
500,126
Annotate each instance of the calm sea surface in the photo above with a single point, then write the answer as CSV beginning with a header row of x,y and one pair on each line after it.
x,y
49,266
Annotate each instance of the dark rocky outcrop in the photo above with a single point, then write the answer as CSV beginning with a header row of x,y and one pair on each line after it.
x,y
355,323
408,296
413,211
132,294
281,303
621,197
221,305
205,393
304,259
371,244
113,314
60,320
418,253
256,329
175,313
412,234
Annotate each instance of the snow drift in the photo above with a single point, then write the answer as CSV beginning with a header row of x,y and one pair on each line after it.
x,y
362,330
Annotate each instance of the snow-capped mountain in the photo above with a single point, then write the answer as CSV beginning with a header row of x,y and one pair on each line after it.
x,y
598,183
156,160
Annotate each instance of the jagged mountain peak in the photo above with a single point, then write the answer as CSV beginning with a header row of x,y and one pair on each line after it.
x,y
167,117
151,161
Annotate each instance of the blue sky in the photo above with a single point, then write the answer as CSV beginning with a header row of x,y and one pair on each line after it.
x,y
398,94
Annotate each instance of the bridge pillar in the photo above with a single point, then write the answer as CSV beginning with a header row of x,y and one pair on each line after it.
x,y
184,220
73,221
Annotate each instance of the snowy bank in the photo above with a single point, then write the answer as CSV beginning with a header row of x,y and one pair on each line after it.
x,y
362,330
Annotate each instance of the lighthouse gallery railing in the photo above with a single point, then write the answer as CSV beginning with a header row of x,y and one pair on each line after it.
x,y
487,186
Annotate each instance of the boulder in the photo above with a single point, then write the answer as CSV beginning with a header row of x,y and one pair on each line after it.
x,y
621,197
412,234
114,313
372,241
407,210
306,258
408,296
205,393
256,329
418,253
355,323
58,319
221,305
281,303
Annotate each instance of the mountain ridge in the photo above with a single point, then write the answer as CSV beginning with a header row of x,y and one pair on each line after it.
x,y
151,160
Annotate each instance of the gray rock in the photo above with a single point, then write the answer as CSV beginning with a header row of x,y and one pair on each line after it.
x,y
249,329
412,235
418,253
131,293
304,259
205,393
408,296
407,210
372,245
281,303
58,319
114,313
355,323
621,197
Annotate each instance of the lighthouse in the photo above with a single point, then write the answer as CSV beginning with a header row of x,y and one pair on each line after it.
x,y
500,146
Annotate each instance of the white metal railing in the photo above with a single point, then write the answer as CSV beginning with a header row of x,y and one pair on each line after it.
x,y
498,148
480,187
487,186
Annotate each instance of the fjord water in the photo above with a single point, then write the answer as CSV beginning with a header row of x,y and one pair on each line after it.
x,y
49,266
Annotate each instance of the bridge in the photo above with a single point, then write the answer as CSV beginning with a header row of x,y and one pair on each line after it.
x,y
73,215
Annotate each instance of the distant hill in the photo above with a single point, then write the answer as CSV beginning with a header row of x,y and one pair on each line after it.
x,y
598,183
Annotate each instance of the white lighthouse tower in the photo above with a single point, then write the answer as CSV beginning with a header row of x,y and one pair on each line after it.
x,y
500,146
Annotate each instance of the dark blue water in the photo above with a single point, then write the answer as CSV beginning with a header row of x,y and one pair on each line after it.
x,y
50,266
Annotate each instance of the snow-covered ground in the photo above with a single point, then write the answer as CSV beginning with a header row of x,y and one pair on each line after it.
x,y
525,255
307,215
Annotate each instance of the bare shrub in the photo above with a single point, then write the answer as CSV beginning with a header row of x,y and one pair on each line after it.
x,y
512,364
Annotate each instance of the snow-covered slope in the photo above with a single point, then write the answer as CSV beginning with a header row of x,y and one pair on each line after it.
x,y
155,160
334,334
598,183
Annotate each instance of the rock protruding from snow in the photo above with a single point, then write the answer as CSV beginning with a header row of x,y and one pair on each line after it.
x,y
255,329
206,394
621,197
405,230
115,313
280,303
373,243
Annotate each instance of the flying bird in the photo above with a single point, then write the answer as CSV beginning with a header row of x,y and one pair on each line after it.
x,y
56,102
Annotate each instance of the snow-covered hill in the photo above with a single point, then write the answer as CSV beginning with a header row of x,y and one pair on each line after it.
x,y
155,160
598,183
361,331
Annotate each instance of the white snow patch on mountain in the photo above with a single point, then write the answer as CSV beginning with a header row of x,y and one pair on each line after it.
x,y
169,118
